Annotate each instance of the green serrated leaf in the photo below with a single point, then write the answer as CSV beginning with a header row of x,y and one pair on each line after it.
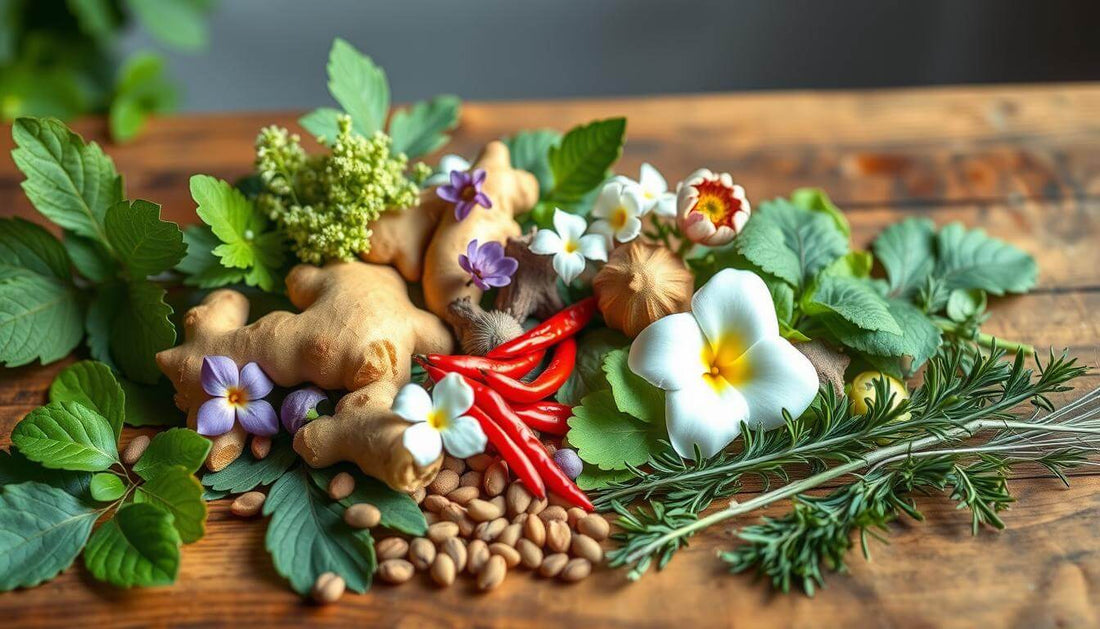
x,y
90,257
101,313
203,268
970,259
359,86
67,436
246,243
93,385
920,337
151,405
247,473
322,124
139,546
816,200
791,242
141,328
145,244
588,375
853,300
16,468
593,477
633,395
609,438
782,299
28,248
42,530
106,487
399,511
422,128
176,491
584,157
855,264
177,447
530,151
41,318
905,251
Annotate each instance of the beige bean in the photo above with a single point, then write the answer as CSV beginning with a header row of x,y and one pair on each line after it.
x,y
362,515
260,447
552,565
453,513
341,486
594,526
520,519
554,512
480,462
328,588
496,479
442,530
458,466
498,502
477,553
133,450
530,555
434,503
534,529
574,515
511,555
492,573
455,548
443,570
466,526
482,510
488,531
518,498
585,547
391,548
576,570
432,518
463,495
510,535
445,482
248,504
421,553
471,479
558,536
395,571
537,506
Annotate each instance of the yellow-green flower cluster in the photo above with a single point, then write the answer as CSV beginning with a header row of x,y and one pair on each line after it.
x,y
326,203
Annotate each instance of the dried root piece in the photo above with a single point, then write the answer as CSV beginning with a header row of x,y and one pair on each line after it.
x,y
534,287
479,330
829,363
642,283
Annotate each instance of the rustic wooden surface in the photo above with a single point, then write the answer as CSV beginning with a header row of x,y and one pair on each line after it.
x,y
1023,162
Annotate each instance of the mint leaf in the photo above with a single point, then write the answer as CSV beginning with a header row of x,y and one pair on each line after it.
x,y
175,491
962,305
177,447
920,338
42,529
633,395
139,546
179,23
69,182
41,318
307,536
593,477
359,86
145,244
905,251
247,473
90,257
101,313
26,247
322,124
588,375
203,268
791,242
16,468
782,299
816,200
583,159
853,300
151,405
94,386
530,151
399,511
242,230
422,128
67,436
106,487
971,259
855,264
140,329
608,438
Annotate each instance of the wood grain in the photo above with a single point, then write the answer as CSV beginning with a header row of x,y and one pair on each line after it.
x,y
1021,162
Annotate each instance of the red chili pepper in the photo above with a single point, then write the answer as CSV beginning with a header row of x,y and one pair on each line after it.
x,y
547,417
564,324
547,382
472,366
518,461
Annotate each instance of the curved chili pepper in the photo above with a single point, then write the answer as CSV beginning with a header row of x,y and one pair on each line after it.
x,y
518,461
547,417
472,366
547,382
564,324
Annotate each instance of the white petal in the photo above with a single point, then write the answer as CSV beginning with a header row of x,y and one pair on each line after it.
x,y
423,443
603,228
630,230
569,226
666,205
779,377
607,200
452,396
413,404
569,265
464,437
450,162
631,199
651,180
593,247
669,352
699,415
546,243
734,309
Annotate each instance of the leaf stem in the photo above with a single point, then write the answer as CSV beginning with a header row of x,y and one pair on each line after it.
x,y
987,340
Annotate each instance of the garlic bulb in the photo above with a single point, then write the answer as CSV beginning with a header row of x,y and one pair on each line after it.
x,y
642,283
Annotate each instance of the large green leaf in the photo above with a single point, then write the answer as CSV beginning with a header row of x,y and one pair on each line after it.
x,y
139,546
26,247
42,530
91,258
307,536
920,338
145,244
41,318
140,329
67,436
971,259
530,151
16,468
905,251
177,447
791,242
583,159
608,438
633,395
853,300
175,490
422,128
399,511
203,268
93,385
247,473
359,86
152,405
106,302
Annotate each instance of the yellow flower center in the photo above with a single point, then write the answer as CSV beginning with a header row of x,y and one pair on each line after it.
x,y
438,419
724,364
236,396
619,218
716,202
570,246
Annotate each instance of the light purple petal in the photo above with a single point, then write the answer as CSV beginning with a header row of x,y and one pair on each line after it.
x,y
218,374
258,418
496,281
464,262
504,266
459,179
215,417
449,194
255,382
478,177
472,249
479,282
490,253
483,200
297,405
463,209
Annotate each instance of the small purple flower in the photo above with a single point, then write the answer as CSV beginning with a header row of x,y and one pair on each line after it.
x,y
569,462
487,264
237,396
465,192
297,405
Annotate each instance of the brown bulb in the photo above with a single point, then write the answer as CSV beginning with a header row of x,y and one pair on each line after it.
x,y
642,283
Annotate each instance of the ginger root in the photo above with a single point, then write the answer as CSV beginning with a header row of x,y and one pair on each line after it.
x,y
356,331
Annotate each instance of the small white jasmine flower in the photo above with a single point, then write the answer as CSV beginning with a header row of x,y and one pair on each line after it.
x,y
569,245
447,163
439,420
619,208
656,196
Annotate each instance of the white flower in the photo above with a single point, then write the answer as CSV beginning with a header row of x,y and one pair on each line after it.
x,y
619,210
439,421
569,246
654,191
442,173
711,209
723,363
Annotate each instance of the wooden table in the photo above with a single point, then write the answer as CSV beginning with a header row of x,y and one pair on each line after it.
x,y
1023,162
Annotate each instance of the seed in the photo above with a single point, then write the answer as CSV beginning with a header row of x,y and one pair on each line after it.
x,y
341,486
442,530
395,571
594,526
534,529
477,554
431,518
248,504
452,513
498,502
419,495
576,570
260,446
511,555
362,515
434,503
574,515
482,510
479,462
518,498
488,531
510,535
445,482
463,495
554,512
458,466
135,449
537,506
443,570
587,548
470,479
455,548
530,555
421,553
328,588
492,574
552,565
558,536
520,518
496,479
391,548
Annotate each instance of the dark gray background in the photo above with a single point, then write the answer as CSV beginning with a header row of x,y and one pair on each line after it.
x,y
270,54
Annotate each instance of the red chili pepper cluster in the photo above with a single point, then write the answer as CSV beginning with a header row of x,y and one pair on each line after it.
x,y
508,408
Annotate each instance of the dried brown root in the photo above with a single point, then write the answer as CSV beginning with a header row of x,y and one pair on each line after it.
x,y
534,287
829,363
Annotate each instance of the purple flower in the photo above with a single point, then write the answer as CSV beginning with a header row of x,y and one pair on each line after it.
x,y
297,405
569,462
487,264
465,192
236,397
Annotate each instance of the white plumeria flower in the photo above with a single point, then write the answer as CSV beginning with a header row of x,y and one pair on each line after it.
x,y
569,246
439,420
447,163
723,363
656,196
619,208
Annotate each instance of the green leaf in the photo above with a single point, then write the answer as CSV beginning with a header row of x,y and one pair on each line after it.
x,y
965,304
530,151
971,259
26,247
583,159
322,124
140,329
920,337
90,257
142,89
101,314
307,536
422,128
145,244
69,182
94,386
106,487
855,264
791,242
782,299
205,269
588,375
905,251
399,511
816,200
139,546
855,301
633,395
42,530
175,491
151,405
177,447
593,477
67,436
16,468
179,23
608,438
247,473
96,18
359,86
41,318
